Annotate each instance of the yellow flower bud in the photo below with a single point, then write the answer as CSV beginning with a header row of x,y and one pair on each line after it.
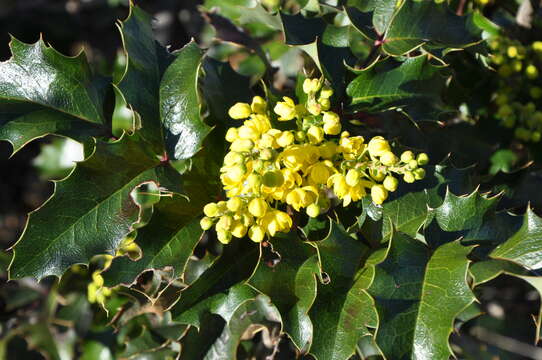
x,y
285,139
233,158
257,165
313,210
256,233
326,92
325,104
378,146
328,149
254,181
352,177
532,72
388,158
225,222
223,236
242,145
236,173
267,141
285,109
240,111
332,123
409,177
537,46
512,51
248,132
315,134
314,108
319,173
377,175
379,194
206,223
211,210
231,135
266,154
422,159
345,134
412,164
257,207
407,156
234,204
340,187
311,86
238,230
390,183
259,105
419,173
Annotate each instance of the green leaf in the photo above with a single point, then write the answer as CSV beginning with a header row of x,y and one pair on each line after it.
x,y
503,160
343,309
291,286
418,296
167,241
464,212
381,12
417,23
91,211
415,84
44,92
180,104
525,246
233,267
146,61
248,318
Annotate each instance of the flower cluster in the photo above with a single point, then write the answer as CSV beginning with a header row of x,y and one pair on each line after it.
x,y
304,168
520,87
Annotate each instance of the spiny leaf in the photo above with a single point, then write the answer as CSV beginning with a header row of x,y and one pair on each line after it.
x,y
44,92
419,22
417,296
380,12
291,286
146,61
180,105
463,212
91,211
414,85
343,309
234,266
525,246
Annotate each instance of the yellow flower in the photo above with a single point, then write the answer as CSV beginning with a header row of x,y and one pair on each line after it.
x,y
340,187
256,233
206,223
223,236
285,109
234,204
225,222
231,135
210,210
378,146
319,173
276,221
390,183
238,229
326,92
248,132
388,158
379,194
332,123
285,139
257,207
242,145
407,156
313,210
352,177
315,134
259,105
328,149
310,86
240,111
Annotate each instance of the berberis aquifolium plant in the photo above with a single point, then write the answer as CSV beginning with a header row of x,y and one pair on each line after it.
x,y
317,177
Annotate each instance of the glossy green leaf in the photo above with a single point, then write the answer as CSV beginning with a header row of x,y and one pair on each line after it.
x,y
525,246
425,22
44,92
413,85
146,61
418,295
343,309
291,286
233,267
91,211
463,212
180,105
380,11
